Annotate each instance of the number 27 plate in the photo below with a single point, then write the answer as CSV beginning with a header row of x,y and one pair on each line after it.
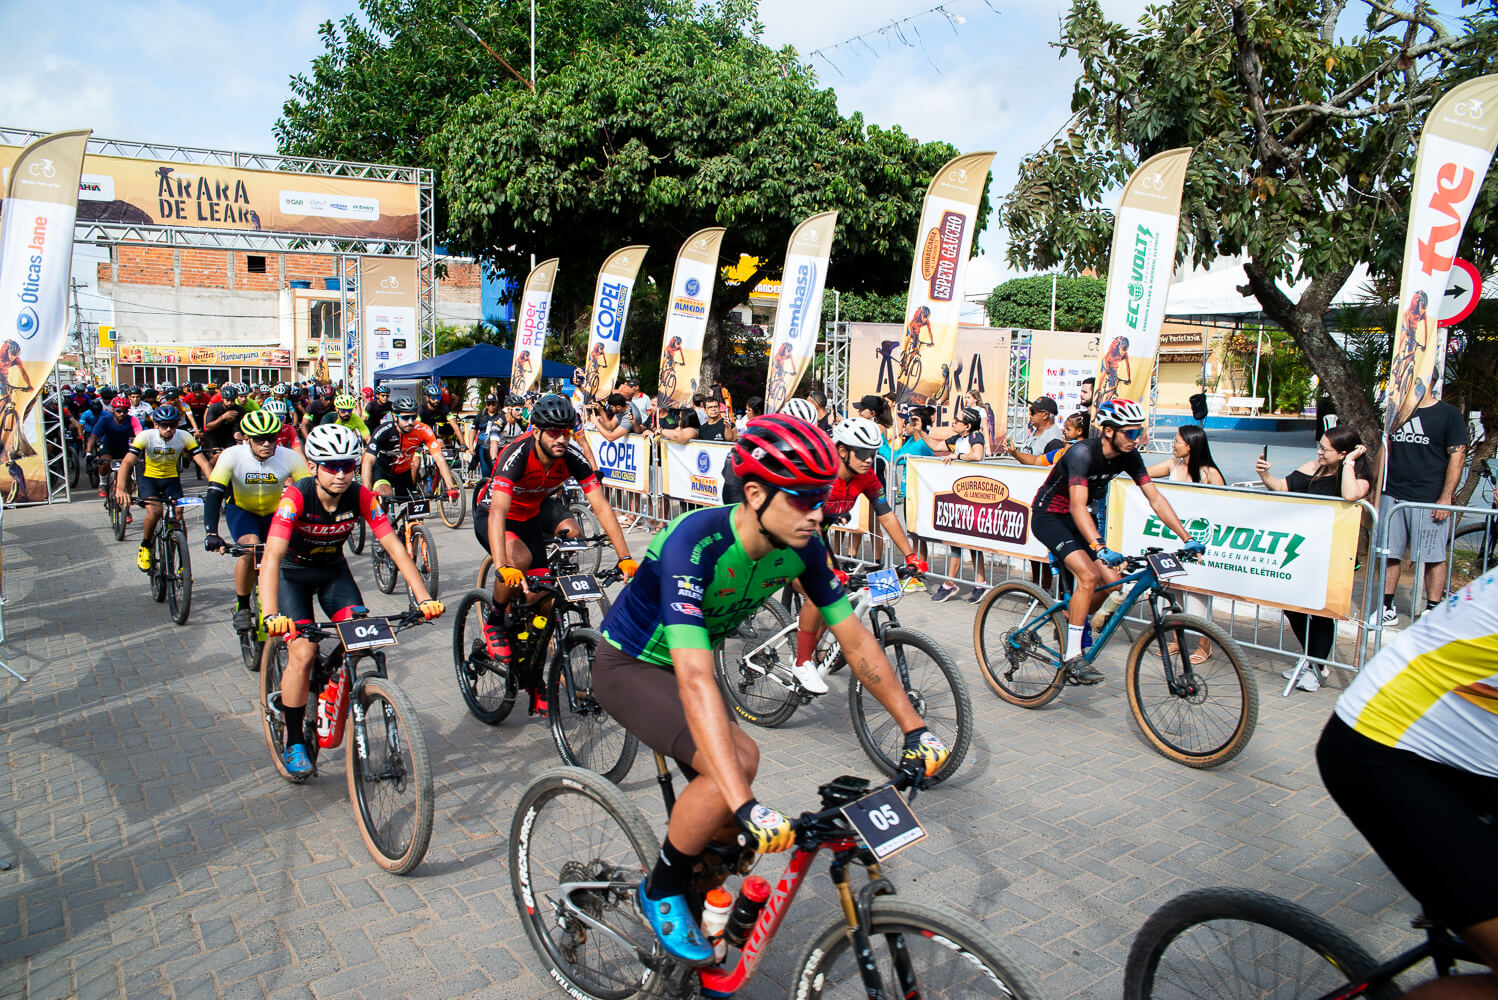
x,y
885,822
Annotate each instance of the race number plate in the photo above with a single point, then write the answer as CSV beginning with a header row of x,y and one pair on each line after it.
x,y
1166,565
884,586
365,633
581,587
190,502
418,508
884,822
566,543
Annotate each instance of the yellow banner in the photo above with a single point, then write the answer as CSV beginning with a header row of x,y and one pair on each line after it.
x,y
157,354
980,364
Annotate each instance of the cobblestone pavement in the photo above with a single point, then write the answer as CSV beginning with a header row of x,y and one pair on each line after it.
x,y
157,852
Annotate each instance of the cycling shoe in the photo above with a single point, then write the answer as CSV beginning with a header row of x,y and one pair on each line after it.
x,y
671,919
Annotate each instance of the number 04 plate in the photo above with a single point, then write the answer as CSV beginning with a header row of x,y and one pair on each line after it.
x,y
885,822
365,633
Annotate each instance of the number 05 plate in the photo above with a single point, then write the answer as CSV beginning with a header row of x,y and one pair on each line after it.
x,y
885,822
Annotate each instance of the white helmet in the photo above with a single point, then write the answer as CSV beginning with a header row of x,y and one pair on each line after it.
x,y
1120,412
857,432
801,409
277,408
332,443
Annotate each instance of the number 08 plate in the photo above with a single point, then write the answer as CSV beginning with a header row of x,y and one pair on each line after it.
x,y
884,822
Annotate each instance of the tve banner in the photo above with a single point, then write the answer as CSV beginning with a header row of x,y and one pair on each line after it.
x,y
625,463
616,281
1456,147
686,316
694,471
530,326
800,314
388,288
979,505
1267,548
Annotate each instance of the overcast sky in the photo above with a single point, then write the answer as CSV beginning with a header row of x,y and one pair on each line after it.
x,y
214,74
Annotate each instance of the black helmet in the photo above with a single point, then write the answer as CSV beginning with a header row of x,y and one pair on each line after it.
x,y
404,405
229,393
491,400
197,387
514,400
553,411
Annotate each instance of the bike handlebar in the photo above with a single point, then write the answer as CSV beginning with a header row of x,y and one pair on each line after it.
x,y
327,630
1135,563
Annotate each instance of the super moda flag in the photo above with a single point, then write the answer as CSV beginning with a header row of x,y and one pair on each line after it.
x,y
800,313
1456,147
530,336
1139,268
611,293
686,316
36,259
933,305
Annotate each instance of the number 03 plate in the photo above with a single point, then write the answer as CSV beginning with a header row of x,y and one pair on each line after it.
x,y
885,822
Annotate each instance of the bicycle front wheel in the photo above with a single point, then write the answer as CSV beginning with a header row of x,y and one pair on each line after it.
x,y
117,521
578,850
424,555
585,734
390,778
356,538
936,691
453,511
1019,641
158,565
592,560
918,950
1228,943
485,568
484,683
1208,714
757,683
177,572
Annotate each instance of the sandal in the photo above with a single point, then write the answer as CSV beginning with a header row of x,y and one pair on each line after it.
x,y
1198,658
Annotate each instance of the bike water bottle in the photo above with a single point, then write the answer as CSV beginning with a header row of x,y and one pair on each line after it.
x,y
753,895
715,910
343,686
325,702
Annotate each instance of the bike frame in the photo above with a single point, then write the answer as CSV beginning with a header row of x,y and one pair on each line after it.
x,y
865,610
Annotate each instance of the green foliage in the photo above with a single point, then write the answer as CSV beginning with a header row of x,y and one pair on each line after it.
x,y
1025,304
869,307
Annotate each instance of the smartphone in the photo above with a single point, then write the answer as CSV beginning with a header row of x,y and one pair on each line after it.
x,y
1264,455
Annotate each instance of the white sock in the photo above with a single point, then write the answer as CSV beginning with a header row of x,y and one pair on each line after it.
x,y
1073,640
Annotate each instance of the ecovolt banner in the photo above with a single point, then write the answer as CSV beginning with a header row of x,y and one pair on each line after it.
x,y
1456,147
623,464
974,505
530,326
686,316
799,316
36,260
388,294
611,293
1283,551
694,471
933,304
1139,269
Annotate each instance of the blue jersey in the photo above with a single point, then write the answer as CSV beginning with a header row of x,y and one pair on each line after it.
x,y
114,437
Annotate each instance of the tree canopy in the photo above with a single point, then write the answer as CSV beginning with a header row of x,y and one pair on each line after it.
x,y
1025,303
1304,146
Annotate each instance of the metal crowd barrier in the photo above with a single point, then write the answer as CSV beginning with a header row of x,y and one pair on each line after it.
x,y
1471,549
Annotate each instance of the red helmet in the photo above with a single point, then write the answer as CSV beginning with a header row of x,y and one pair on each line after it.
x,y
119,403
782,450
366,393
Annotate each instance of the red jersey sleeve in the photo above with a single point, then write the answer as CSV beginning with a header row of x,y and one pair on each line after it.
x,y
287,511
373,513
577,465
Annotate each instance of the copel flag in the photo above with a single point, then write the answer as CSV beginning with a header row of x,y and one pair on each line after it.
x,y
1456,147
36,261
616,282
933,305
530,336
1139,268
686,316
800,313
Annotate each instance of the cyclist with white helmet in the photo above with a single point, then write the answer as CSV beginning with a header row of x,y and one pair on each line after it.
x,y
1060,519
733,486
312,521
288,437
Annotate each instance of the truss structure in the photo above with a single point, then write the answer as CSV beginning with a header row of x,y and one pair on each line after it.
x,y
1018,410
839,346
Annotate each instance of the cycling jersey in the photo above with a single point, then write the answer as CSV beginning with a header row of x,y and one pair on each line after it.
x,y
1433,690
254,485
314,535
287,438
1084,465
396,451
142,412
520,473
846,493
115,437
354,421
161,456
696,585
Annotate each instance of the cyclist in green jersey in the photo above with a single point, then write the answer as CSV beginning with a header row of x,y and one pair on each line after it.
x,y
344,413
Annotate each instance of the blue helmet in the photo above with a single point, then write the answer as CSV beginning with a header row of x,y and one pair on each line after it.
x,y
166,415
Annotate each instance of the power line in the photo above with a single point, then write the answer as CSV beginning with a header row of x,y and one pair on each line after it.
x,y
894,31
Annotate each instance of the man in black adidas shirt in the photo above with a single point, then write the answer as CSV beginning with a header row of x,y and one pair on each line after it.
x,y
1426,455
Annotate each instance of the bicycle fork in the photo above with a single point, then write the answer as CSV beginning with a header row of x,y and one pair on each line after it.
x,y
859,915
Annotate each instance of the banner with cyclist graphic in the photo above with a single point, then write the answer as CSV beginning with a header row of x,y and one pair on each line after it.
x,y
799,317
530,326
686,316
975,505
1296,553
611,294
623,464
694,471
36,260
388,289
980,364
1139,269
933,304
1456,148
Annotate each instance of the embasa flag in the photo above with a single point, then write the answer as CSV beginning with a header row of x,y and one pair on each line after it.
x,y
800,313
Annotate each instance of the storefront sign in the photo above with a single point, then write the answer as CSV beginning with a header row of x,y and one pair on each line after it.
x,y
256,357
694,471
623,464
975,505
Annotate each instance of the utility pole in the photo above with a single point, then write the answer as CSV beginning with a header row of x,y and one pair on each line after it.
x,y
85,353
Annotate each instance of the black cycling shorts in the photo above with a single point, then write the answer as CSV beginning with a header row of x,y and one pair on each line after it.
x,y
333,586
1059,534
644,699
1432,824
167,490
535,532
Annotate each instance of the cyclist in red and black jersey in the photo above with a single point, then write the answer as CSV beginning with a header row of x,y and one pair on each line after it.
x,y
515,511
391,454
1060,520
312,521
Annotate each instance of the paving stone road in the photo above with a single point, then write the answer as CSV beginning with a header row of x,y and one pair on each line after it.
x,y
157,853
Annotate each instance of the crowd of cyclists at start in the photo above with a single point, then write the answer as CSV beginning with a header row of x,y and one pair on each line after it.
x,y
1411,749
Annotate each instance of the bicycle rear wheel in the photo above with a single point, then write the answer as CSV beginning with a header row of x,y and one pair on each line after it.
x,y
592,560
573,828
385,573
453,511
272,723
919,950
937,692
1226,942
178,572
390,778
1210,716
484,684
1010,641
585,734
759,688
424,555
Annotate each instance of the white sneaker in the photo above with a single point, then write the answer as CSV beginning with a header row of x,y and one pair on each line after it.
x,y
1390,616
1287,674
809,677
1309,680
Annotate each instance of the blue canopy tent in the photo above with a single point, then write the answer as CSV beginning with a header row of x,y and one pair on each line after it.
x,y
479,361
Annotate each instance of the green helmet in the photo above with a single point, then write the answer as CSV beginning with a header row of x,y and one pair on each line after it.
x,y
260,423
345,402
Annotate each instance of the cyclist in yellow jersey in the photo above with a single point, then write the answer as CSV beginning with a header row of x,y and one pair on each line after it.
x,y
344,413
1411,756
251,476
160,449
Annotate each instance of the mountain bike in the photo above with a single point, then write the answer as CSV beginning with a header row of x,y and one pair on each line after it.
x,y
579,850
119,517
171,567
389,770
582,511
406,516
753,667
1201,715
1226,942
434,488
252,640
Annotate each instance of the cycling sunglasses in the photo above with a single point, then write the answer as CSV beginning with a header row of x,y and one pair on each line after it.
x,y
556,431
1131,433
341,467
265,438
866,454
806,501
122,412
405,418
